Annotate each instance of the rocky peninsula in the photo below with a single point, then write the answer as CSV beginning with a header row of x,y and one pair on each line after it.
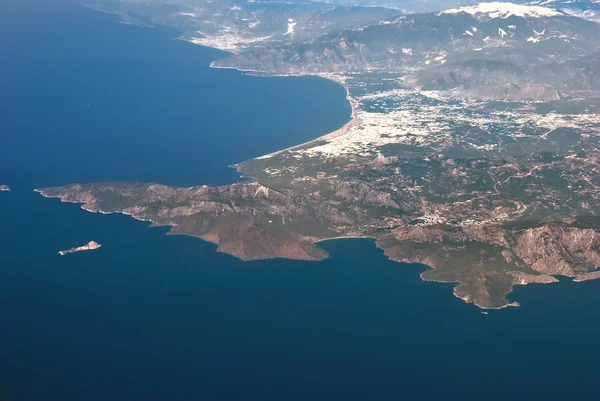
x,y
436,180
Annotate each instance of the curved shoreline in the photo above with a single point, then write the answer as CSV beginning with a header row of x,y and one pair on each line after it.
x,y
354,120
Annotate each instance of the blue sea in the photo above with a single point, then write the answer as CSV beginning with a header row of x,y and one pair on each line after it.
x,y
84,98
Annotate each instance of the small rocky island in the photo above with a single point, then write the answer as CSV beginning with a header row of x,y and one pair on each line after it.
x,y
4,188
90,246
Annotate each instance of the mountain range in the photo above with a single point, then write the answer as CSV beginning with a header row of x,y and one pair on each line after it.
x,y
513,51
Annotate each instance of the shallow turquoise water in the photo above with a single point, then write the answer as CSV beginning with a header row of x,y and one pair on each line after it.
x,y
153,317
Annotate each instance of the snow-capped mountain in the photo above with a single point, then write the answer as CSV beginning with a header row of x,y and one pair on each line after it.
x,y
495,9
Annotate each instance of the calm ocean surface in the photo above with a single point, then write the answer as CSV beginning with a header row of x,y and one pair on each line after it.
x,y
152,317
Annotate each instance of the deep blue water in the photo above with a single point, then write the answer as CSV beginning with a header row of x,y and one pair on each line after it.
x,y
155,317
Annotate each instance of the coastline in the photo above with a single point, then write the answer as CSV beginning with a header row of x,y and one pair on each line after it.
x,y
344,237
355,120
344,129
339,79
467,300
